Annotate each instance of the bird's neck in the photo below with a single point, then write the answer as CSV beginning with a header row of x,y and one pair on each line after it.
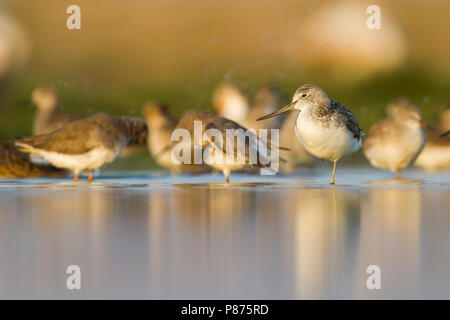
x,y
318,109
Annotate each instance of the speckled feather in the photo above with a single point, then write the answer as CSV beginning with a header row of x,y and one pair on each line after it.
x,y
339,116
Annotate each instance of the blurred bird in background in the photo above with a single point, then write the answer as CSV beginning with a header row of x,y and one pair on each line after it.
x,y
14,46
48,116
395,142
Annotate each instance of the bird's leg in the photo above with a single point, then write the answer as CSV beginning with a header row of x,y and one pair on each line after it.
x,y
399,174
226,173
334,172
90,177
75,177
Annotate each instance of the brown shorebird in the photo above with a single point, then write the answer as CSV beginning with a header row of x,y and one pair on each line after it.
x,y
395,142
324,127
229,102
48,116
209,145
87,144
14,164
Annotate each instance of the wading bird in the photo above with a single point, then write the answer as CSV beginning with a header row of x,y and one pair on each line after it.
x,y
324,127
87,144
214,149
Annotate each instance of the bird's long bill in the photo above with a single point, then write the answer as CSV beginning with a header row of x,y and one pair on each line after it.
x,y
287,108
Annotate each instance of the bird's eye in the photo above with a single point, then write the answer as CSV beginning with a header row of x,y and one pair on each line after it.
x,y
303,95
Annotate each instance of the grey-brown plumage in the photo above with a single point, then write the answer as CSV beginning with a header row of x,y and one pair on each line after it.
x,y
242,157
324,127
48,116
86,144
14,164
335,114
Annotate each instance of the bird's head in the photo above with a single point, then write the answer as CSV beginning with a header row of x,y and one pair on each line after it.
x,y
230,102
45,98
137,130
402,109
307,96
154,113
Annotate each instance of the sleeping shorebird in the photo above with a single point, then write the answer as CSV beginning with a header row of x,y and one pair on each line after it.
x,y
87,144
48,116
395,142
325,128
229,102
14,164
209,145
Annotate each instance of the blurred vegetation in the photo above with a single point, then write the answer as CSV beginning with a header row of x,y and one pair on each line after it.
x,y
129,52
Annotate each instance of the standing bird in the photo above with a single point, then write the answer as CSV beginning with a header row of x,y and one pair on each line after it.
x,y
395,142
86,144
14,164
48,116
324,127
214,149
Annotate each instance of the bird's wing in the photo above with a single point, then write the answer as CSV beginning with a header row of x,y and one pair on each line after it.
x,y
75,138
347,117
253,151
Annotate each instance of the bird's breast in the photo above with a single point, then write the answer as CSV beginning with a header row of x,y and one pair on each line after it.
x,y
325,141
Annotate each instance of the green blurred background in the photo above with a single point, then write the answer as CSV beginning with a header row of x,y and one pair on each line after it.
x,y
128,52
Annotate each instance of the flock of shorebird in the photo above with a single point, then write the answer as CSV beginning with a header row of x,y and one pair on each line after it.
x,y
323,129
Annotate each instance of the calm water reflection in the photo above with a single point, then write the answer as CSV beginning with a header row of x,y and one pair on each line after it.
x,y
157,237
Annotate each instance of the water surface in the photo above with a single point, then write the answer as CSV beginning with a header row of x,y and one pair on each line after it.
x,y
142,235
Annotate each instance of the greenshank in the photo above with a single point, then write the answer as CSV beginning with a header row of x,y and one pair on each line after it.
x,y
324,127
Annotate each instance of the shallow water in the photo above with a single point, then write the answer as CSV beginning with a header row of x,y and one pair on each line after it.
x,y
158,236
